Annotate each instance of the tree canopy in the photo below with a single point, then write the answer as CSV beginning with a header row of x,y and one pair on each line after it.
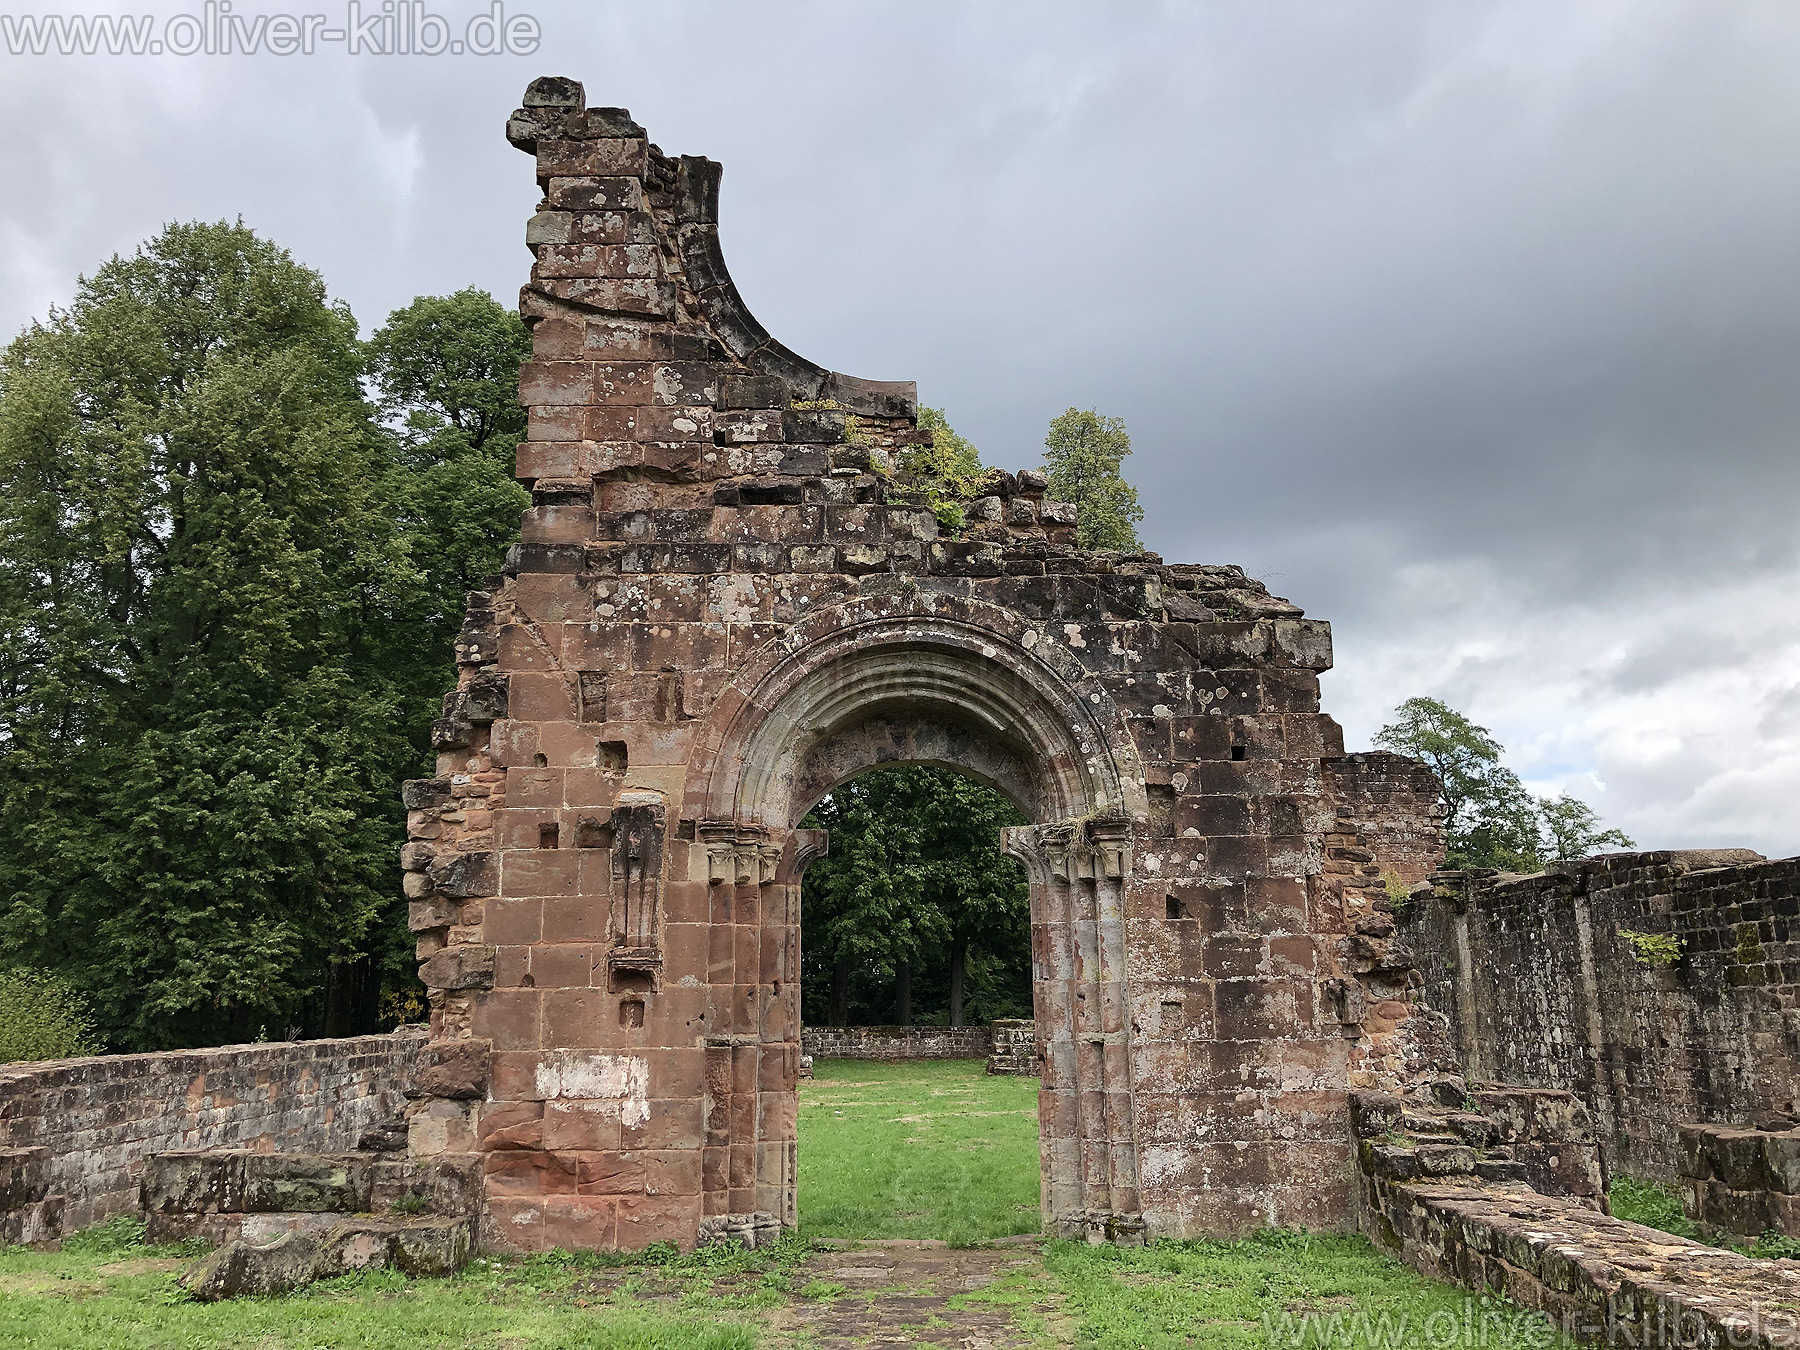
x,y
1084,459
1490,819
915,905
227,587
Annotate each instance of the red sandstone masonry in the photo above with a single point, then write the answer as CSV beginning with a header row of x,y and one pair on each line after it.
x,y
726,599
75,1134
898,1042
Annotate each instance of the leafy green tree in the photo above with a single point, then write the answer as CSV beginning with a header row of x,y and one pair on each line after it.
x,y
1501,830
41,1017
1572,829
1490,819
1465,757
916,887
198,741
447,371
950,468
1085,457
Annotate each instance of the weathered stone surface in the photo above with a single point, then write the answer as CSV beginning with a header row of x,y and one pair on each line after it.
x,y
81,1133
432,1245
310,1183
456,1069
729,596
241,1269
1373,1113
461,967
975,1042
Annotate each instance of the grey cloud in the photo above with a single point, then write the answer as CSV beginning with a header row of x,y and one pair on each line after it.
x,y
1470,326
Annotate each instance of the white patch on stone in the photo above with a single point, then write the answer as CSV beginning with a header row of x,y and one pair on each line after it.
x,y
594,1075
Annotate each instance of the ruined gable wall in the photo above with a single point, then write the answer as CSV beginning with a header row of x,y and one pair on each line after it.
x,y
714,516
1396,807
1544,991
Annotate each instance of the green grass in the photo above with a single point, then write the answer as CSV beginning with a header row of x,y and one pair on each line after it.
x,y
1279,1289
107,1289
1651,1204
926,1149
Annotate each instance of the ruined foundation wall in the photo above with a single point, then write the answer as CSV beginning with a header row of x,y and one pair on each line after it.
x,y
75,1133
1543,990
1396,804
897,1042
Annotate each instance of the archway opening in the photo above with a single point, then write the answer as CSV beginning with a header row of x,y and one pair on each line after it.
x,y
923,679
916,917
920,1115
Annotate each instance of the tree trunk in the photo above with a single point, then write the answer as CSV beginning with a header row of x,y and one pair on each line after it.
x,y
840,991
959,964
903,994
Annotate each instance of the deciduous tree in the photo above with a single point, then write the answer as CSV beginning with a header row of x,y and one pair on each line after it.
x,y
1084,459
198,748
916,888
1490,819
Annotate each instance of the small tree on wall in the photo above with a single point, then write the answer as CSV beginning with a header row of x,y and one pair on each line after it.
x,y
1084,460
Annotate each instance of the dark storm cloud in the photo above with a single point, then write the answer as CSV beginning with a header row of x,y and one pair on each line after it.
x,y
1472,327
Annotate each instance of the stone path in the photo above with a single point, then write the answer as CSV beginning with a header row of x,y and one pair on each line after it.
x,y
907,1294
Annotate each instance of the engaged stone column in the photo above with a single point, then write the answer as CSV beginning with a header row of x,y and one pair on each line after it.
x,y
1087,1131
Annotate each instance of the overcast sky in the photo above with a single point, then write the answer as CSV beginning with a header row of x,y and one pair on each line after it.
x,y
1473,328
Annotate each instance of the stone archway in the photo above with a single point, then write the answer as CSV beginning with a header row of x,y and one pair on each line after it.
x,y
918,679
727,596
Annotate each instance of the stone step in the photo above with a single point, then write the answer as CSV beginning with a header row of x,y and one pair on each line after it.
x,y
426,1245
227,1195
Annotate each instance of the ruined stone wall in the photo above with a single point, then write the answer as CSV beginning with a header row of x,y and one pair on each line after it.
x,y
730,595
75,1133
1544,991
1396,805
897,1042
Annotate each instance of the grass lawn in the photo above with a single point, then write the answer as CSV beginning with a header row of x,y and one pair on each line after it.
x,y
907,1150
925,1149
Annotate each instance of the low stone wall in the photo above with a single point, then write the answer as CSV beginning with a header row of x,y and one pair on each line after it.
x,y
897,1042
1741,1183
1598,1278
1451,1192
1015,1048
75,1134
1657,987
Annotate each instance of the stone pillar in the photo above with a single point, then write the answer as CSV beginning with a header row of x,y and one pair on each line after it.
x,y
753,1036
1086,1127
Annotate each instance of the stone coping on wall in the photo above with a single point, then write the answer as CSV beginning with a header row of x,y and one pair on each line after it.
x,y
75,1134
1453,1192
1599,1278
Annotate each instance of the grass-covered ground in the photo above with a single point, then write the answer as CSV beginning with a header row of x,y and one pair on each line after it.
x,y
921,1150
932,1149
